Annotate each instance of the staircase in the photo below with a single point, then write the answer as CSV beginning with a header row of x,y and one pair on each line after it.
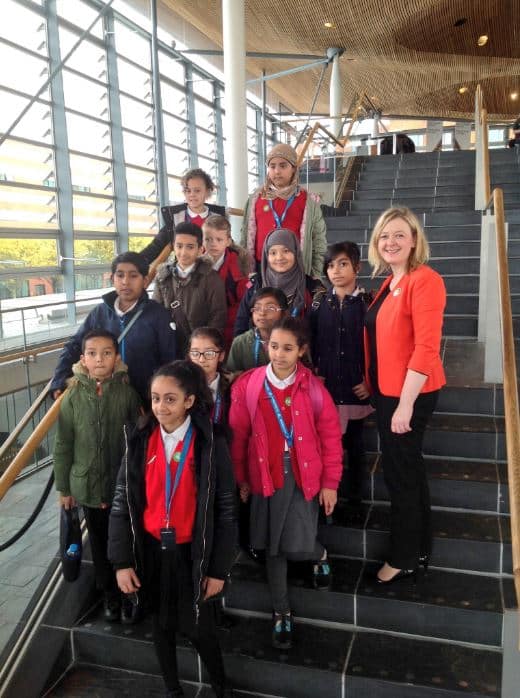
x,y
440,638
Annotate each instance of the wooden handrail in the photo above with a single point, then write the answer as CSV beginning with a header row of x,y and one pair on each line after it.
x,y
25,454
511,406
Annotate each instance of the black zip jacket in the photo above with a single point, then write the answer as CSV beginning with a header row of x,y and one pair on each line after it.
x,y
215,530
172,215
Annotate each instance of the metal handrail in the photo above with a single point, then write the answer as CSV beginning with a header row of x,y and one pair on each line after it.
x,y
511,404
41,349
24,421
25,454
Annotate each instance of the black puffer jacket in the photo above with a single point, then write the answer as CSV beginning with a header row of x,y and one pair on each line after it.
x,y
215,529
172,216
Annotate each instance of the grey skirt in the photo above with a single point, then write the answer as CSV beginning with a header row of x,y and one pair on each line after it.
x,y
285,523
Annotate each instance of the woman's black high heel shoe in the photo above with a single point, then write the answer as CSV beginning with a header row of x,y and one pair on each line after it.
x,y
424,560
402,574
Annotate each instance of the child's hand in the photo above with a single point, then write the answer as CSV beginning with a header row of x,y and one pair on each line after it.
x,y
245,491
361,391
328,499
127,580
211,587
67,501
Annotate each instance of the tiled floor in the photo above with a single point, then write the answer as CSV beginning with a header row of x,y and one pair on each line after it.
x,y
23,564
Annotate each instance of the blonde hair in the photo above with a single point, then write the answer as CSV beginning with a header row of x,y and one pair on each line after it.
x,y
419,254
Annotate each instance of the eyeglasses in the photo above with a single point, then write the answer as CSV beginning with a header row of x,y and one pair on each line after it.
x,y
265,309
208,354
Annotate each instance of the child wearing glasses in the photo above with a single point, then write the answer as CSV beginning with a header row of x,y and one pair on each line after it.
x,y
207,350
249,350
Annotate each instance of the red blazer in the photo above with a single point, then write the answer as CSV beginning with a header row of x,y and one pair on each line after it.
x,y
408,332
236,284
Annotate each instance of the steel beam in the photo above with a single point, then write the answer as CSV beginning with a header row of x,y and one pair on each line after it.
x,y
160,149
116,134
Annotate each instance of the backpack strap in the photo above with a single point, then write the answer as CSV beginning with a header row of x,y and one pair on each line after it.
x,y
255,385
316,395
254,388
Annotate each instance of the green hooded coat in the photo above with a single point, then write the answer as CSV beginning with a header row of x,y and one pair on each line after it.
x,y
89,441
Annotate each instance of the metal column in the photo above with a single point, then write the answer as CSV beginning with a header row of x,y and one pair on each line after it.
x,y
192,119
233,25
335,95
160,150
116,137
221,167
62,162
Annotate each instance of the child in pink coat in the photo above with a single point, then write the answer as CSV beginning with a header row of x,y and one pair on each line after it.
x,y
287,456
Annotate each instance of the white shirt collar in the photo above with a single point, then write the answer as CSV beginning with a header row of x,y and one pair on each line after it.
x,y
280,384
184,273
192,214
120,312
219,262
213,386
354,293
170,441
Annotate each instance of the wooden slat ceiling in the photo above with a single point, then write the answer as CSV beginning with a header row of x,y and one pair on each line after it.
x,y
406,55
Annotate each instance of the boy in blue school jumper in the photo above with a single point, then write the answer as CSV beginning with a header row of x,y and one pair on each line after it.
x,y
148,341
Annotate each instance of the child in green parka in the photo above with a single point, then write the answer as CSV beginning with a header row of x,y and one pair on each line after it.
x,y
89,446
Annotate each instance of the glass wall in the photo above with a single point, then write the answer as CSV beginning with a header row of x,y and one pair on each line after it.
x,y
78,173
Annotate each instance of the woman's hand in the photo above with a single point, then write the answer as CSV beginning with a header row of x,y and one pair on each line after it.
x,y
328,499
211,587
361,391
67,501
244,491
127,580
401,419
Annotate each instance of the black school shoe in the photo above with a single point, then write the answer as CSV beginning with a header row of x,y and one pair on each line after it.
x,y
321,575
111,606
281,638
131,611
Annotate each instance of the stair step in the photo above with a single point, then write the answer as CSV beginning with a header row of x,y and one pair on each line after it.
x,y
462,540
444,605
85,681
323,661
455,435
460,484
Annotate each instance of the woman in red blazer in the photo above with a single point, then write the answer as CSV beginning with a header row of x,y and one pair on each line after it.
x,y
403,331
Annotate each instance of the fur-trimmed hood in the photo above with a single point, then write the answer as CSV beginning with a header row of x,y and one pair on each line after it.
x,y
80,373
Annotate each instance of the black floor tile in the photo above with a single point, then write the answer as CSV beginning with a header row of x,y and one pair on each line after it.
x,y
414,668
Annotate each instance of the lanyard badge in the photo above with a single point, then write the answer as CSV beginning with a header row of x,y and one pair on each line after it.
x,y
280,219
169,491
287,434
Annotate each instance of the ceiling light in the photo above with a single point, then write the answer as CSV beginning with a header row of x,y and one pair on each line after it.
x,y
329,25
482,40
463,90
514,95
